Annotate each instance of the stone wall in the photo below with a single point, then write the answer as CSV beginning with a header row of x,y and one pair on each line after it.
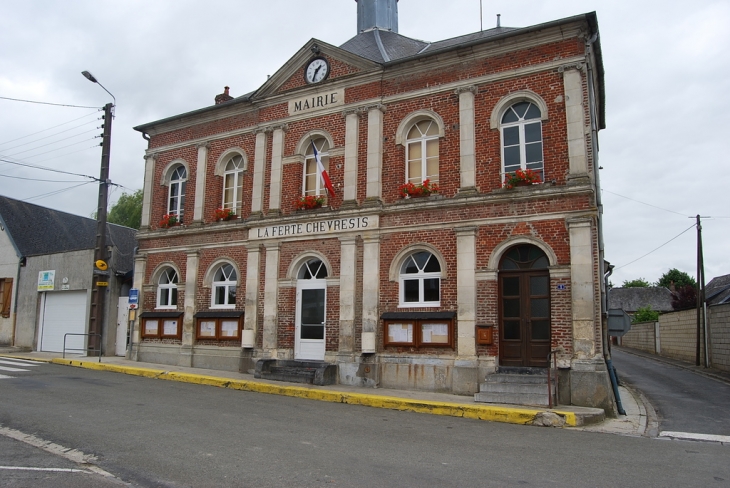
x,y
678,335
641,336
719,319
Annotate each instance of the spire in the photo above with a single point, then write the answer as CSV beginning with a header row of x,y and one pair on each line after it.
x,y
377,14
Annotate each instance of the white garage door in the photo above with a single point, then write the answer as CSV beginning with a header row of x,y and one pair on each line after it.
x,y
63,313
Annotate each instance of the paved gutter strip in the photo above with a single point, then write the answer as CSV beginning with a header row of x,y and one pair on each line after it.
x,y
493,413
723,439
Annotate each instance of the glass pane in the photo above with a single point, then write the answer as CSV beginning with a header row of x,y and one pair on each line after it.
x,y
521,108
410,291
220,295
414,150
312,331
540,330
539,307
173,301
310,166
538,285
409,266
433,265
228,197
533,132
511,157
511,286
229,328
311,183
509,116
206,328
541,263
511,136
533,152
231,295
508,264
400,332
434,333
414,133
429,127
414,171
421,258
432,148
432,169
313,306
511,307
511,329
150,327
431,290
533,112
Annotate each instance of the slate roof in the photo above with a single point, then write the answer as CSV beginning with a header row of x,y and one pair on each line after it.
x,y
632,299
37,231
717,291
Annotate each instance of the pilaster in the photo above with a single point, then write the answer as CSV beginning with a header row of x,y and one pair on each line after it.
x,y
582,288
466,291
370,289
191,289
575,121
250,317
467,146
259,161
277,153
375,153
140,269
149,172
352,129
200,175
348,266
271,299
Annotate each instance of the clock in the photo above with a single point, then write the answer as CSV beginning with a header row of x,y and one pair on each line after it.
x,y
317,70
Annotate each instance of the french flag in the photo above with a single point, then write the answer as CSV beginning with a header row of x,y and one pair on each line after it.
x,y
322,173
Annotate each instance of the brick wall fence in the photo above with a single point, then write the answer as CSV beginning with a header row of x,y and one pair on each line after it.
x,y
674,336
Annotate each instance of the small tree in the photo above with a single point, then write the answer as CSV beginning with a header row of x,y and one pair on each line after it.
x,y
636,283
684,297
679,278
645,314
127,211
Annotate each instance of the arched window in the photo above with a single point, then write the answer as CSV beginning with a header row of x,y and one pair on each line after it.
x,y
167,289
524,256
314,269
521,127
422,152
420,280
233,183
224,287
313,184
176,200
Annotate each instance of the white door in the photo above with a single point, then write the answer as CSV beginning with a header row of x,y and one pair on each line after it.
x,y
63,313
310,319
122,325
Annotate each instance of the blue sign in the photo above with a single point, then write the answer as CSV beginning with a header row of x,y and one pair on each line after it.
x,y
133,296
560,287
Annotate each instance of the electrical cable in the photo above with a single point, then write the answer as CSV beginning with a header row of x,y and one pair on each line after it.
x,y
645,255
47,169
37,179
44,130
46,137
52,143
644,203
43,195
44,103
58,148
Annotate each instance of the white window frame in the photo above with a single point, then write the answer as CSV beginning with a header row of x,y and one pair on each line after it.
x,y
521,123
423,140
226,284
178,181
166,288
421,276
235,174
320,143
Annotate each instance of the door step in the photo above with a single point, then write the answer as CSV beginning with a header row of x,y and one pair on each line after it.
x,y
516,386
311,372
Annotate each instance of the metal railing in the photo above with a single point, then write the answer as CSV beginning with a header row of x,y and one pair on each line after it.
x,y
552,370
86,349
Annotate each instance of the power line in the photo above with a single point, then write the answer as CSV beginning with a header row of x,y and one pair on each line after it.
x,y
644,203
47,169
645,255
44,130
55,142
58,148
46,137
37,179
95,146
43,195
44,103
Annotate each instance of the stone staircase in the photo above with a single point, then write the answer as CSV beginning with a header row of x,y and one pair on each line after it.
x,y
312,372
516,386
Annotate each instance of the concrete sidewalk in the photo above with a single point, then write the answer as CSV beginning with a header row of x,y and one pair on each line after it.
x,y
636,422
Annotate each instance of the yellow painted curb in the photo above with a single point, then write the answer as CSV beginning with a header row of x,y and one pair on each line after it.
x,y
480,412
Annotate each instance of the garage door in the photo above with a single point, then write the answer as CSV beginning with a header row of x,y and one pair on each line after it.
x,y
63,313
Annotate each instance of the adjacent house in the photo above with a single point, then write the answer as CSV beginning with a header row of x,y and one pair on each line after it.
x,y
418,215
46,278
631,299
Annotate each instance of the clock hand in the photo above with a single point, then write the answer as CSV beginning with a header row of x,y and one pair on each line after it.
x,y
315,72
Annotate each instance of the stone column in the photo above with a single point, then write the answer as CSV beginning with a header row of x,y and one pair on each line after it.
x,y
259,161
370,290
466,291
277,152
582,289
352,129
467,148
271,300
576,122
188,325
375,154
149,172
348,266
200,174
250,318
140,268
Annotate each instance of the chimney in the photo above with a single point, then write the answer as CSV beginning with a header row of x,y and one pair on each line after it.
x,y
377,14
223,97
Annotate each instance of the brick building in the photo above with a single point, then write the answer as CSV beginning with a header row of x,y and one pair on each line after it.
x,y
434,290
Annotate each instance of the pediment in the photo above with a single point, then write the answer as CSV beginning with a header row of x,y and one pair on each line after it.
x,y
291,77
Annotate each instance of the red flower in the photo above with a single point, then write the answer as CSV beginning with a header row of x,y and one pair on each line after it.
x,y
309,202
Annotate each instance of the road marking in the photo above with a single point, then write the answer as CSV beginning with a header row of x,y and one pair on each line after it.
x,y
19,362
71,454
59,470
696,437
7,368
2,376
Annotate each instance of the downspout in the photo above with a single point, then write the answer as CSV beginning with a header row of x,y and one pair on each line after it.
x,y
601,247
15,302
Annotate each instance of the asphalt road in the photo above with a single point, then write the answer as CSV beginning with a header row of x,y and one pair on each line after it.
x,y
156,433
684,401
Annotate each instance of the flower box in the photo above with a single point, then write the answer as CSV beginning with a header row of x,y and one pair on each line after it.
x,y
222,214
521,177
170,220
309,202
410,190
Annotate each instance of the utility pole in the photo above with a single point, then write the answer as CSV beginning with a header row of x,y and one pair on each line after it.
x,y
101,272
701,322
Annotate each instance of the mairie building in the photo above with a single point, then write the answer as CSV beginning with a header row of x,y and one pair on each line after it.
x,y
462,239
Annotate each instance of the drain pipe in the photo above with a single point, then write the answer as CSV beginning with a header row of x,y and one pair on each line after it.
x,y
607,349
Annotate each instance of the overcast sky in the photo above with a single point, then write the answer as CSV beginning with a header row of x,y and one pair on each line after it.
x,y
664,152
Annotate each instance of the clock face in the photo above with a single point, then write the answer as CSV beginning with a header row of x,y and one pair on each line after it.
x,y
317,70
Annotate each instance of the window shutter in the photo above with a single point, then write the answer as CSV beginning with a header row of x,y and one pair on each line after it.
x,y
7,292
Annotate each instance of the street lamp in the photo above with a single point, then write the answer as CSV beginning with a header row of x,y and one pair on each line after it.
x,y
101,274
